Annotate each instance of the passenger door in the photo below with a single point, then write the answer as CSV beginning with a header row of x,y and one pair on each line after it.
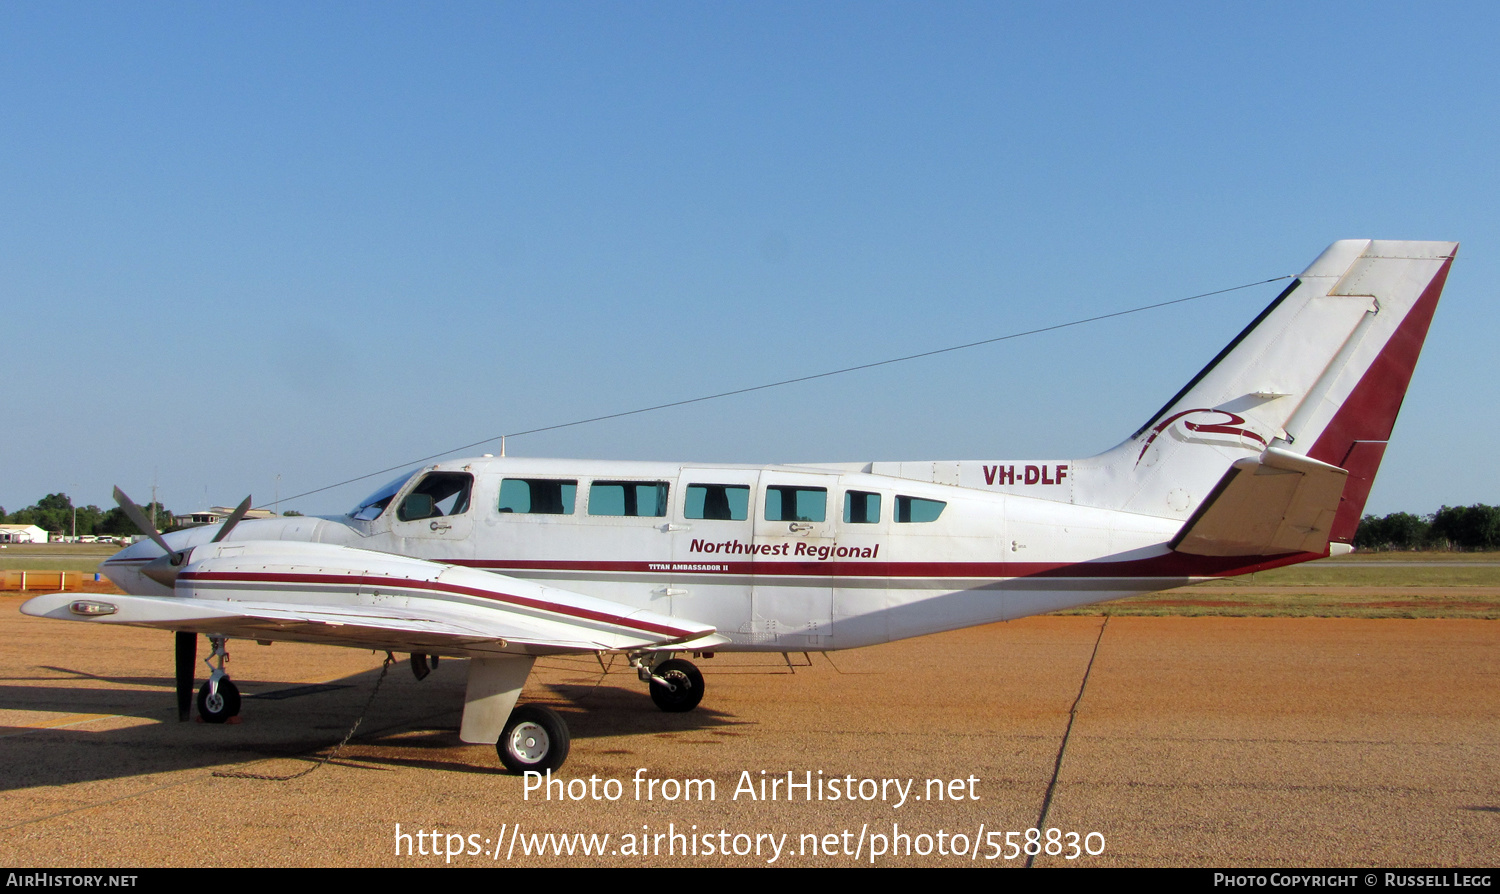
x,y
713,537
794,530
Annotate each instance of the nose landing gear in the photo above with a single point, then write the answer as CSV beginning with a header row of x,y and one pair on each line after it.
x,y
219,699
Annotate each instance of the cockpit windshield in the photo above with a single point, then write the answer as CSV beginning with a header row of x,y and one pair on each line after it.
x,y
371,507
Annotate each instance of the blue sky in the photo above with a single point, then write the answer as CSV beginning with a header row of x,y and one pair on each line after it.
x,y
305,240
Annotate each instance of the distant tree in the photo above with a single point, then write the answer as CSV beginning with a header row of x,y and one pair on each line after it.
x,y
1399,530
88,519
115,523
1468,527
52,513
291,512
55,503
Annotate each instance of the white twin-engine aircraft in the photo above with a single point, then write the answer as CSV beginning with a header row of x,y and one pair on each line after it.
x,y
1264,459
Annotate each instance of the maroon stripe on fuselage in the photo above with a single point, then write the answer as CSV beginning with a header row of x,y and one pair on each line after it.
x,y
360,580
1169,565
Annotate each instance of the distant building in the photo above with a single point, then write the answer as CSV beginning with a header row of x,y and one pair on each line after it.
x,y
216,514
22,534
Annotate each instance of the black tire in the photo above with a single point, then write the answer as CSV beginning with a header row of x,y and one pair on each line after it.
x,y
222,707
687,683
535,738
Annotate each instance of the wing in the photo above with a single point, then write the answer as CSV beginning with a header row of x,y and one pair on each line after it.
x,y
335,595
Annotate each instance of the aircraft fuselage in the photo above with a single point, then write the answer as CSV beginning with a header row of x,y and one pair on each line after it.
x,y
775,558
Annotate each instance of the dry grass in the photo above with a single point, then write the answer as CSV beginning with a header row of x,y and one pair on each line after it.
x,y
1300,602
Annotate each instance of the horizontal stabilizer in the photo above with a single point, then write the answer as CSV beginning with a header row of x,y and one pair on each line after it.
x,y
1278,502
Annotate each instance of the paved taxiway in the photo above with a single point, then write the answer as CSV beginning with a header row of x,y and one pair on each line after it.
x,y
1202,742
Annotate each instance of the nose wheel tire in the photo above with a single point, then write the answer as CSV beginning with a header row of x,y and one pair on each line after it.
x,y
686,690
218,707
535,738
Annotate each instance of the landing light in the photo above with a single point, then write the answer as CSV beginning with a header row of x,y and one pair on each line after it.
x,y
91,609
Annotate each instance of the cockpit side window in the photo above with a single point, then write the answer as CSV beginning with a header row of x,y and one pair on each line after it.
x,y
371,507
437,495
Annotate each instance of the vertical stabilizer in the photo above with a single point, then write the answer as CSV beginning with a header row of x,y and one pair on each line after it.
x,y
1319,375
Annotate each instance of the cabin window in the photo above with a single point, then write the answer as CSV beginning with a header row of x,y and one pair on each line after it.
x,y
537,496
725,502
629,498
861,508
437,495
796,504
916,509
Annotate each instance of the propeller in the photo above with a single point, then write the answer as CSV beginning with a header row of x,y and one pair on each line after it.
x,y
164,571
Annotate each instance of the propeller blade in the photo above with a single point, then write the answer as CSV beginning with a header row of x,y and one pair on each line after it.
x,y
234,519
187,661
139,517
163,570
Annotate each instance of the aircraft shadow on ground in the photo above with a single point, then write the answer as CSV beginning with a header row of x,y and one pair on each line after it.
x,y
409,724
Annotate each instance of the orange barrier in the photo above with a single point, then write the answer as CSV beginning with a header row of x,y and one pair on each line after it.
x,y
51,581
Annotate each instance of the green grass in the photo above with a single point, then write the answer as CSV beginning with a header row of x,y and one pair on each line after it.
x,y
87,566
1445,585
63,549
1371,574
1413,556
84,557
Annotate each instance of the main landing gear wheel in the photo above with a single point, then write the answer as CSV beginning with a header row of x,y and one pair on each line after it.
x,y
686,689
535,738
218,706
